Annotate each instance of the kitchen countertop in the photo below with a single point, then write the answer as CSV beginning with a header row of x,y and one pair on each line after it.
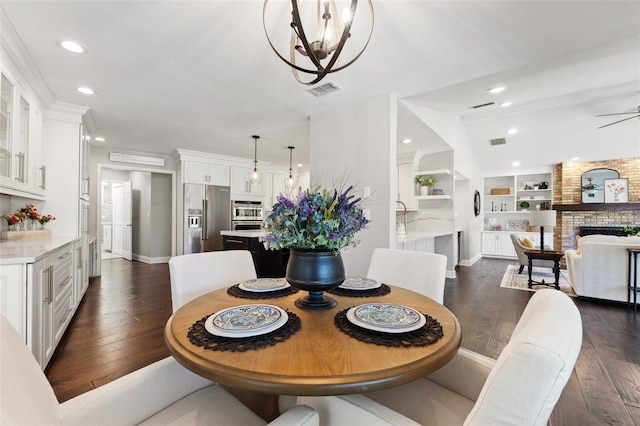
x,y
247,233
414,236
30,250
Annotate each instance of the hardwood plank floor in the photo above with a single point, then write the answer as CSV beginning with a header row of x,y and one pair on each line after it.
x,y
118,328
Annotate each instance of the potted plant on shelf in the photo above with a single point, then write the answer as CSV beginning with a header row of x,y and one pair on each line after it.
x,y
524,206
426,182
315,227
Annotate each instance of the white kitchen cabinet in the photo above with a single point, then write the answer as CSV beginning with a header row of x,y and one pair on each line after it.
x,y
205,173
85,180
406,185
40,282
21,140
240,184
13,296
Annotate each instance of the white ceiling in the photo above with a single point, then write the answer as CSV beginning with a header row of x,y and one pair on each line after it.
x,y
200,75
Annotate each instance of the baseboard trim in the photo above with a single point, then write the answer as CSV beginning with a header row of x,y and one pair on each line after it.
x,y
151,260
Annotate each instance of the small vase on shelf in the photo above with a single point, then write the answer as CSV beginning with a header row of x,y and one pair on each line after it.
x,y
425,190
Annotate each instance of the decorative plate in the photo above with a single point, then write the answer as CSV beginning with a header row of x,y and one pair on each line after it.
x,y
386,318
246,320
359,283
493,221
264,284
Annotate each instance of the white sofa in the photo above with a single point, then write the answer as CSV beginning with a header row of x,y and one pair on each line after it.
x,y
599,266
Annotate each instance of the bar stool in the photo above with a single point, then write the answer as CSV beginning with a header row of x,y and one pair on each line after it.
x,y
633,277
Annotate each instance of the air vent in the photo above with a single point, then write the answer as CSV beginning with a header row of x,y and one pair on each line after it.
x,y
483,105
499,141
324,89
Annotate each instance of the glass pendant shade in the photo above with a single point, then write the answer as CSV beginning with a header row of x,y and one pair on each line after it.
x,y
290,182
255,177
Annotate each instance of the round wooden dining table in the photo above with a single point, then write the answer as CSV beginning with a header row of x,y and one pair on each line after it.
x,y
319,359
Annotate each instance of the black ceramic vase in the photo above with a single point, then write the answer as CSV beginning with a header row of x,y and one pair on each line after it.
x,y
315,271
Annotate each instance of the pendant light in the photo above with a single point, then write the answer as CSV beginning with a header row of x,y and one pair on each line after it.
x,y
290,182
317,33
255,177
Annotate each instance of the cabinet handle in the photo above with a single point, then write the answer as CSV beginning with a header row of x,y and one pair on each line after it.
x,y
50,282
65,282
233,241
45,284
205,220
66,315
67,254
43,177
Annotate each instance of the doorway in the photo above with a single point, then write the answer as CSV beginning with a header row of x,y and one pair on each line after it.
x,y
135,217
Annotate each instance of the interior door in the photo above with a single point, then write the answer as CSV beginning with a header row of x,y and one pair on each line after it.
x,y
127,224
116,232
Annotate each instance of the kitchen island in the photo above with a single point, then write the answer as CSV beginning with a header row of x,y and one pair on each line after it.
x,y
268,263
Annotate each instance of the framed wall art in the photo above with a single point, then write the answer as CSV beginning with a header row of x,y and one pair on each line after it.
x,y
616,191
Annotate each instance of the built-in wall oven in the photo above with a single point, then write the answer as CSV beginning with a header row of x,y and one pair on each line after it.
x,y
246,215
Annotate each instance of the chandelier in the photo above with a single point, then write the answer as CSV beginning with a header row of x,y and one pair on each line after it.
x,y
330,22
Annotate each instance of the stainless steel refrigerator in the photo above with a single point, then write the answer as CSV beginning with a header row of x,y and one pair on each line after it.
x,y
207,211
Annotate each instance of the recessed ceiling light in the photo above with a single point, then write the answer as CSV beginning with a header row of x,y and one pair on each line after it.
x,y
515,163
406,140
299,164
512,131
86,91
72,46
99,139
575,158
498,89
505,104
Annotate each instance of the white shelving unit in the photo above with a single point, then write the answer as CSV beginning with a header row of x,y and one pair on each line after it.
x,y
505,213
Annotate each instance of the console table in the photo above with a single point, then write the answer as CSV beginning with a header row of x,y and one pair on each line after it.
x,y
545,255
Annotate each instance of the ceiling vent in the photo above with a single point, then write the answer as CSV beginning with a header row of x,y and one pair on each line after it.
x,y
483,105
499,141
324,89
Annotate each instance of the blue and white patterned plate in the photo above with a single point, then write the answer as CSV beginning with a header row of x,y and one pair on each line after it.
x,y
246,320
264,284
360,283
386,317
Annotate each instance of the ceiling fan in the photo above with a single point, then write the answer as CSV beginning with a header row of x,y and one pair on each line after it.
x,y
636,112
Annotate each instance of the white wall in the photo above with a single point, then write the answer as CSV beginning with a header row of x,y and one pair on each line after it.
x,y
452,131
357,143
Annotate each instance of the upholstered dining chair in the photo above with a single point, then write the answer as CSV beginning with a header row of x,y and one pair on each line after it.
x,y
163,393
522,257
520,388
193,275
421,272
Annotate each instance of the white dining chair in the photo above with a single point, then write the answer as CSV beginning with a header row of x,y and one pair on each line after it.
x,y
163,393
193,275
421,272
521,387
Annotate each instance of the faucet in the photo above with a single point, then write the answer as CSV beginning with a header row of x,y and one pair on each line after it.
x,y
403,231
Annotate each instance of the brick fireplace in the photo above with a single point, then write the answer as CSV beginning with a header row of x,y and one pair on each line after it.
x,y
573,214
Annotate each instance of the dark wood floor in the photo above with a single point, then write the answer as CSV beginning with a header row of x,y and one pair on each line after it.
x,y
119,324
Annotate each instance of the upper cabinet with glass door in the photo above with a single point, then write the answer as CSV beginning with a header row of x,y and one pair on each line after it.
x,y
6,131
21,133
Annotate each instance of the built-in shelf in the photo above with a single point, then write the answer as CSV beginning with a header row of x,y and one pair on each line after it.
x,y
433,197
433,172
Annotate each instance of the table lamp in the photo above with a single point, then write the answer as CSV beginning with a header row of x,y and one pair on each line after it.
x,y
542,218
